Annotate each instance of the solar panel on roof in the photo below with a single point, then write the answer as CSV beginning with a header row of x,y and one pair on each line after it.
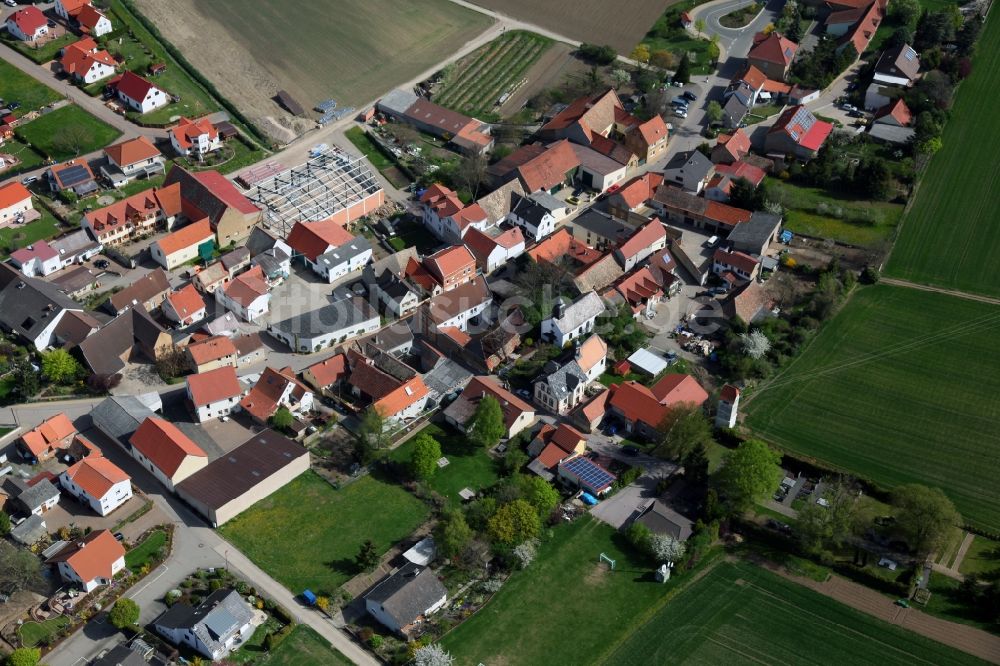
x,y
589,473
910,54
74,175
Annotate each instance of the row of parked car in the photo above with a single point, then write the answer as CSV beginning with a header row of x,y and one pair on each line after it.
x,y
680,103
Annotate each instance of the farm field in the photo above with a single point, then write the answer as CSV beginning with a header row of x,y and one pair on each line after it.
x,y
742,614
564,604
594,21
67,132
307,534
950,237
349,50
304,647
901,386
16,86
475,84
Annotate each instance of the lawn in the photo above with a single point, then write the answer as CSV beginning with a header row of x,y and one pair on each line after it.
x,y
305,647
813,211
950,236
983,557
742,614
564,604
33,633
67,132
475,83
414,234
668,35
900,386
145,552
30,159
468,466
307,534
21,235
360,139
16,86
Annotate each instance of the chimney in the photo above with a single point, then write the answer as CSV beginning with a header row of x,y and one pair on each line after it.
x,y
560,308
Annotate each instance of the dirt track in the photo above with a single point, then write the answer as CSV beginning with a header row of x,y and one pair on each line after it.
x,y
959,636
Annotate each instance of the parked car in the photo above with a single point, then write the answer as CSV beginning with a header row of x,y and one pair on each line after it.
x,y
10,3
630,450
849,107
119,536
680,113
687,94
856,114
102,263
13,106
679,101
29,180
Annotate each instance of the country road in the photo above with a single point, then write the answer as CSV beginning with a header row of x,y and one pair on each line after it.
x,y
896,282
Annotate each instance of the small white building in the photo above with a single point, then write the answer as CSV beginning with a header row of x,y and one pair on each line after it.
x,y
529,214
411,593
338,322
192,138
181,246
570,322
184,306
214,628
139,94
91,561
15,203
729,404
164,450
37,259
97,482
28,24
247,295
215,393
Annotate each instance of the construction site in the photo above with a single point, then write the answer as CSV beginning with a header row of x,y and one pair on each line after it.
x,y
331,185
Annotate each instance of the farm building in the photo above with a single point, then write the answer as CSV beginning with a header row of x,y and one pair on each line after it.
x,y
332,185
467,134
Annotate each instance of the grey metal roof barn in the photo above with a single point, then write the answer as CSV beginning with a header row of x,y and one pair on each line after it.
x,y
330,182
119,417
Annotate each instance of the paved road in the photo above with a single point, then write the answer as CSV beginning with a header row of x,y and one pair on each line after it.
x,y
195,546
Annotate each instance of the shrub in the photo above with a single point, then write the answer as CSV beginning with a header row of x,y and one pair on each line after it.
x,y
375,642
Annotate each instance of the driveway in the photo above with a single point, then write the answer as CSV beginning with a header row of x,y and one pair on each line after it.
x,y
611,448
624,506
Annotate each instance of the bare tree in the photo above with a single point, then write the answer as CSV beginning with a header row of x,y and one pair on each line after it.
x,y
72,138
19,568
471,173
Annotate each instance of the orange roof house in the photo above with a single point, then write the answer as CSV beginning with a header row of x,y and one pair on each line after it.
x,y
48,438
772,54
182,245
643,409
91,561
133,151
167,452
274,389
561,246
731,148
211,352
83,60
184,306
327,372
99,482
213,386
676,388
311,239
451,266
405,401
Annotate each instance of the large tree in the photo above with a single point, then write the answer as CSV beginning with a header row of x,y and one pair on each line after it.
x,y
72,138
539,493
925,515
282,418
514,523
486,427
824,527
372,437
683,428
713,111
19,569
452,534
750,473
124,614
683,73
368,556
426,453
60,367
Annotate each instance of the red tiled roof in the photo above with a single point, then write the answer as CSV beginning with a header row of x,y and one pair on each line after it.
x,y
636,403
213,386
552,455
369,380
742,170
329,371
164,444
652,130
135,88
81,55
28,20
639,190
511,405
314,238
262,400
752,76
12,194
561,245
729,393
639,287
740,260
91,557
723,214
55,432
549,168
592,113
646,236
96,475
88,17
133,150
567,438
40,250
773,48
406,395
186,301
141,204
675,388
195,233
591,352
863,31
224,190
897,110
187,130
247,287
211,349
72,7
449,261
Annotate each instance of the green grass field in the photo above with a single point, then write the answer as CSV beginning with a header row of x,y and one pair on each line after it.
x,y
67,132
900,386
983,557
16,86
468,465
668,35
33,633
18,236
144,553
46,52
742,614
950,236
804,214
307,534
565,608
475,83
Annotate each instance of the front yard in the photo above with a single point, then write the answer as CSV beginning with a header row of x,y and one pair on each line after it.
x,y
16,86
147,551
468,465
304,647
16,236
67,132
45,52
307,534
40,633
